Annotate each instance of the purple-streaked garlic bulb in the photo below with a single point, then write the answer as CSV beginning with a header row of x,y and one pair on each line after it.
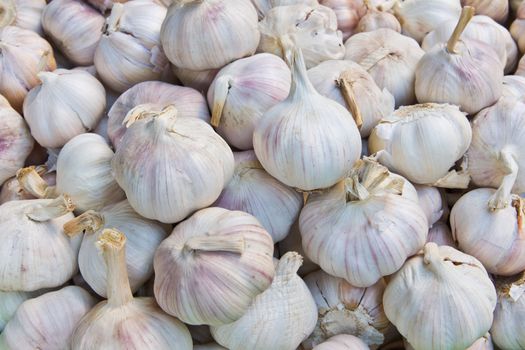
x,y
24,14
348,13
498,10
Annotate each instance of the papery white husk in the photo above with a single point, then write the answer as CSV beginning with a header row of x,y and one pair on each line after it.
x,y
431,202
293,243
198,80
9,303
441,234
375,19
498,10
514,87
343,342
23,14
348,13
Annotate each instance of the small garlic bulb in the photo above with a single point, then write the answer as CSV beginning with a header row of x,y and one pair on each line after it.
x,y
431,202
129,51
390,58
342,342
48,321
348,13
350,219
212,246
514,87
22,13
284,137
242,91
122,321
281,317
255,192
498,10
440,234
198,80
293,243
75,28
200,164
375,19
443,282
207,34
24,54
154,94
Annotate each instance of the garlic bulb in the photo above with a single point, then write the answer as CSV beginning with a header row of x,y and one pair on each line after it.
x,y
375,19
350,219
312,28
75,28
348,13
443,281
48,321
390,58
513,87
349,84
198,80
342,342
22,13
483,343
255,192
24,54
293,243
284,136
281,317
103,5
9,303
154,95
226,31
129,51
212,246
242,91
517,28
200,164
431,202
440,234
498,10
432,152
123,321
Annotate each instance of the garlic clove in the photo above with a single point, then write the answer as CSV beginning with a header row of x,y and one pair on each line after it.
x,y
498,10
23,14
342,342
198,80
348,13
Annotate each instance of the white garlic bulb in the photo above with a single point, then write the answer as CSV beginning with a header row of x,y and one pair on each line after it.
x,y
195,152
198,80
375,19
443,282
483,343
216,245
342,342
75,28
498,10
154,95
348,83
293,243
23,14
129,51
9,303
441,234
207,34
279,318
255,192
242,91
390,58
431,202
513,87
348,13
123,321
48,321
284,137
24,54
350,220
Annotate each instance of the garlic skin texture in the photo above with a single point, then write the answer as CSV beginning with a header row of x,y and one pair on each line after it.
x,y
498,10
255,192
348,13
23,14
390,58
198,80
483,343
75,28
155,95
292,318
212,246
263,6
443,281
24,53
513,87
284,136
9,303
431,202
343,342
129,51
48,321
227,31
441,234
375,19
242,91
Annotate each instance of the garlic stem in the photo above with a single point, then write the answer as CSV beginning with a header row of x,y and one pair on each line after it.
x,y
7,12
466,15
90,222
216,243
222,87
43,63
289,264
348,94
112,22
55,209
501,198
299,75
355,190
432,258
31,181
147,110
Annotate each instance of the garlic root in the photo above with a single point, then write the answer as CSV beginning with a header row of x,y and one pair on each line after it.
x,y
222,86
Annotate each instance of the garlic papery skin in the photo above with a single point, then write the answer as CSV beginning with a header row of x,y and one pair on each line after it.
x,y
431,201
483,343
263,6
198,80
48,321
227,31
342,342
284,137
443,281
200,164
122,321
155,95
437,135
22,13
494,237
281,317
390,58
24,54
441,234
75,28
340,80
313,29
345,309
293,243
213,246
498,10
375,19
9,303
514,87
348,13
351,218
255,192
143,238
129,51
242,91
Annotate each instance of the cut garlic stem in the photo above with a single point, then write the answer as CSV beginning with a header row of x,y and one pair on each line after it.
x,y
31,182
217,243
222,87
387,5
466,15
112,21
143,112
7,12
90,222
56,208
433,259
289,264
518,203
348,94
501,198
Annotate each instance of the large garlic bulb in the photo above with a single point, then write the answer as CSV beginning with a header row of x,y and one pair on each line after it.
x,y
213,246
198,80
293,243
22,13
154,95
443,282
351,219
24,54
207,34
348,13
75,28
498,10
122,321
307,141
279,318
390,58
242,91
342,342
441,234
375,19
431,201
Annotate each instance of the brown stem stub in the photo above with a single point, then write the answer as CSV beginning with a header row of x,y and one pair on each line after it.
x,y
466,15
54,209
519,204
89,222
344,83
